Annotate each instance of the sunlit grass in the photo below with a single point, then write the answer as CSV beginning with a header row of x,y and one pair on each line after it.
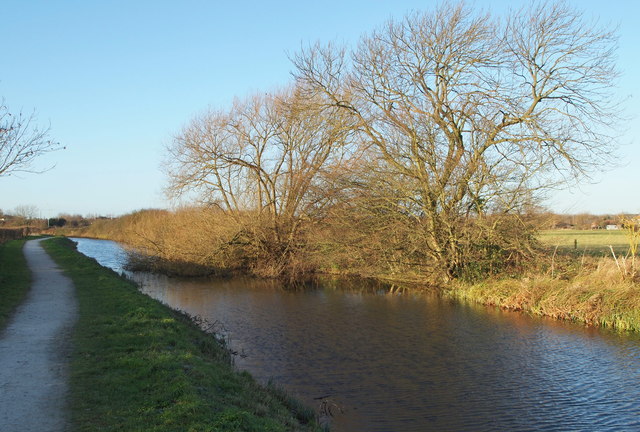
x,y
140,366
595,293
592,242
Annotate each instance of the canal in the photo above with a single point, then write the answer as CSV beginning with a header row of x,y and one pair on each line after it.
x,y
379,360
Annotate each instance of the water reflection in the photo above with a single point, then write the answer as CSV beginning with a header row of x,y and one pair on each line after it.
x,y
107,253
402,362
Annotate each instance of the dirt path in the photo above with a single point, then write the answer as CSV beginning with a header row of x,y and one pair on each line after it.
x,y
34,350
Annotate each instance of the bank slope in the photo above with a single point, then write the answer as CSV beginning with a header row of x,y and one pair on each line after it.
x,y
15,278
138,365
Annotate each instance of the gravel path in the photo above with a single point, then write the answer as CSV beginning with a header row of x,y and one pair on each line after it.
x,y
34,350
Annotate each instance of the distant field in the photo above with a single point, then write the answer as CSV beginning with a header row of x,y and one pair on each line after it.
x,y
594,242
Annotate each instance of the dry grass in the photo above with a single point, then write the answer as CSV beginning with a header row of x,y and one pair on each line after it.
x,y
197,241
599,294
189,241
588,286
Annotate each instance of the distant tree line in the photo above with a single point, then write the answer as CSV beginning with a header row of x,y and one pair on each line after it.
x,y
583,221
29,215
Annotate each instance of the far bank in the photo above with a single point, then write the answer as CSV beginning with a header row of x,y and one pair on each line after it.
x,y
574,276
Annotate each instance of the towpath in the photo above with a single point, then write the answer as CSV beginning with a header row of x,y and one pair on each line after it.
x,y
35,348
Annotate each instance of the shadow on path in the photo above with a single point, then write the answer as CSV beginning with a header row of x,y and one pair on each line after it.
x,y
34,350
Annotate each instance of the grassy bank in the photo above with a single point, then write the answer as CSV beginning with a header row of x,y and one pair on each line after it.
x,y
15,278
579,281
595,293
139,366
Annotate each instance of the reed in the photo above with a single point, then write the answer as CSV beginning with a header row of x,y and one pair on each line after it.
x,y
596,294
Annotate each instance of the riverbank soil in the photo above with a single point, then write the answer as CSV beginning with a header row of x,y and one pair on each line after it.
x,y
35,348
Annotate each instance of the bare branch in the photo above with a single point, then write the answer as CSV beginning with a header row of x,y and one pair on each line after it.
x,y
21,142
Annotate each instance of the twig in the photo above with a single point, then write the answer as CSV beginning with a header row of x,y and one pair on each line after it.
x,y
553,261
615,258
582,260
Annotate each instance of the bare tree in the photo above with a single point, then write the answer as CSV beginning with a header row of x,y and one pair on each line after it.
x,y
263,163
21,142
471,118
26,213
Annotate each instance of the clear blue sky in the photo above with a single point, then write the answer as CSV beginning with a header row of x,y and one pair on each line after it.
x,y
117,79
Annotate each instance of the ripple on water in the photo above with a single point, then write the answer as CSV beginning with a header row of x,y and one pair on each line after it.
x,y
404,363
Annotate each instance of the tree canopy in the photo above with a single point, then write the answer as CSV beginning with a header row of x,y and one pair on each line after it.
x,y
434,135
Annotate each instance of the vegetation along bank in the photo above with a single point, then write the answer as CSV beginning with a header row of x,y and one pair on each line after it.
x,y
15,278
420,154
588,276
573,274
138,365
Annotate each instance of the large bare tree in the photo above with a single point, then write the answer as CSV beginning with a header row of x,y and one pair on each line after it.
x,y
470,117
21,142
263,163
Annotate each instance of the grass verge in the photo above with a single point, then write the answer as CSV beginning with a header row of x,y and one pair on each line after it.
x,y
597,294
140,366
15,278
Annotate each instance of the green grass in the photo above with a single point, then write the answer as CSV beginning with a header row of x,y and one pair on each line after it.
x,y
592,242
15,279
140,366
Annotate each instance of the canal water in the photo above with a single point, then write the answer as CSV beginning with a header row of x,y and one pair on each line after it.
x,y
379,360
